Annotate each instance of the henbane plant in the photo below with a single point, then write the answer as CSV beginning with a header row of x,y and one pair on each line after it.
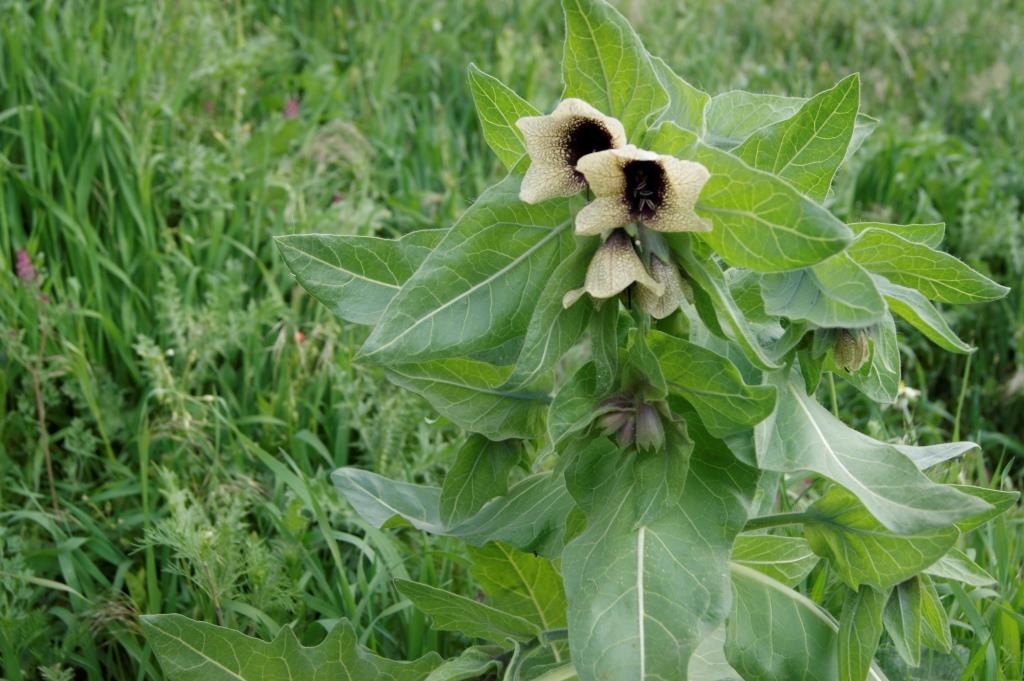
x,y
631,328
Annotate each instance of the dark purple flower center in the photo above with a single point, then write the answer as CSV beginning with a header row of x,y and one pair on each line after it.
x,y
585,136
645,188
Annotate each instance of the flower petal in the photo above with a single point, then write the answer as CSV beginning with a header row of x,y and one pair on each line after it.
x,y
676,213
577,108
544,181
615,267
600,215
661,306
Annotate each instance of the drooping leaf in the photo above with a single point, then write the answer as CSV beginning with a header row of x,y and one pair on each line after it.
x,y
452,612
553,328
520,583
498,108
803,435
642,596
531,517
957,566
860,628
758,220
356,276
921,314
785,559
807,148
938,276
1000,501
862,550
197,651
777,634
475,292
686,102
605,64
712,384
902,619
926,234
472,395
835,293
479,474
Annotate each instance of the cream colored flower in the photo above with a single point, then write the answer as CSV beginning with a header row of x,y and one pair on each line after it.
x,y
558,141
634,185
661,306
614,268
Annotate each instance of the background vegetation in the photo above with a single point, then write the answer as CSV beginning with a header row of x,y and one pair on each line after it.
x,y
171,404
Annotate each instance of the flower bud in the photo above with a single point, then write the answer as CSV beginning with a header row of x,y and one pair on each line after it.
x,y
661,306
850,349
650,434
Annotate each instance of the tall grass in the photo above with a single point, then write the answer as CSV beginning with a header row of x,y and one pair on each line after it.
x,y
171,403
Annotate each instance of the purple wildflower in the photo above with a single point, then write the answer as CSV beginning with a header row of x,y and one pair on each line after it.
x,y
291,108
26,271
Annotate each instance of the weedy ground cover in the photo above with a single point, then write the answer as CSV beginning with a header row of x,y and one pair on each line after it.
x,y
190,401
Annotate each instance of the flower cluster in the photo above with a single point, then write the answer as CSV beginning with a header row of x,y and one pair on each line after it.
x,y
576,147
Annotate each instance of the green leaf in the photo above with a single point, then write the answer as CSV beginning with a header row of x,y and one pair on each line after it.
x,y
522,584
938,276
803,435
197,651
470,394
479,474
604,345
686,103
902,618
356,276
643,595
475,662
708,662
862,550
860,628
531,517
928,456
475,293
553,328
957,566
1000,501
712,384
835,293
807,148
575,405
452,612
785,559
605,64
708,277
758,220
498,108
777,634
880,379
929,234
934,620
735,115
643,367
661,474
922,315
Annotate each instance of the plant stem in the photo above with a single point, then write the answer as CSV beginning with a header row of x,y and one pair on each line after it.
x,y
832,391
775,520
960,399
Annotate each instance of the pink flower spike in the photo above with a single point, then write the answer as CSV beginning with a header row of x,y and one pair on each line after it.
x,y
291,108
25,269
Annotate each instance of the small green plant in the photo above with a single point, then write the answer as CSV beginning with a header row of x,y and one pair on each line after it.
x,y
633,326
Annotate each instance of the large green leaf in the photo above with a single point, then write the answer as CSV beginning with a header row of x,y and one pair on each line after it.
x,y
686,102
860,628
902,619
785,559
777,634
452,612
708,662
921,314
835,293
929,234
479,474
197,651
712,384
862,550
475,293
605,63
356,276
807,148
472,395
758,220
519,583
803,435
643,595
938,276
531,517
553,328
498,108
